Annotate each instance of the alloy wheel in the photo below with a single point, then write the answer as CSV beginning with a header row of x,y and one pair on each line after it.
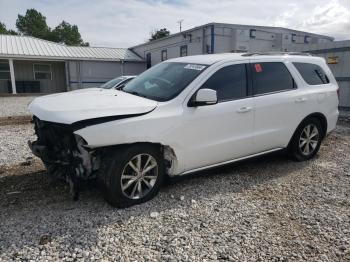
x,y
139,176
309,139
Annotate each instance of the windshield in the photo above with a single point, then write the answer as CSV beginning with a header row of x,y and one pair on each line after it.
x,y
113,82
164,81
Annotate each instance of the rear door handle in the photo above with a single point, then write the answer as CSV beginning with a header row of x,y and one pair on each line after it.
x,y
300,100
244,109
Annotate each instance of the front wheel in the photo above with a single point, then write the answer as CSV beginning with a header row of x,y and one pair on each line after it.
x,y
134,175
307,140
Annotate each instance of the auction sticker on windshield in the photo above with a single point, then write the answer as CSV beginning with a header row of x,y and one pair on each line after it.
x,y
194,67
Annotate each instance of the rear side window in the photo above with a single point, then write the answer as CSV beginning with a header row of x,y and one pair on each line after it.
x,y
271,77
312,74
229,82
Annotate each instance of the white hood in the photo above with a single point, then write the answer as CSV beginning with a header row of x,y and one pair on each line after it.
x,y
70,107
89,89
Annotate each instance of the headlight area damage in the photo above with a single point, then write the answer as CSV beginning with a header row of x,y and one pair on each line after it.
x,y
64,154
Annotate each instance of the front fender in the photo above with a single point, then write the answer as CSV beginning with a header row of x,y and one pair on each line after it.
x,y
161,129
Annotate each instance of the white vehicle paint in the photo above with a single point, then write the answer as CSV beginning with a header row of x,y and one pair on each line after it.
x,y
196,131
194,135
70,107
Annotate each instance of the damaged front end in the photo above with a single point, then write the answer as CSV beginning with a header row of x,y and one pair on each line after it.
x,y
64,154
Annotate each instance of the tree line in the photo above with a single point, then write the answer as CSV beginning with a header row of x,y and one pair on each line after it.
x,y
33,23
159,33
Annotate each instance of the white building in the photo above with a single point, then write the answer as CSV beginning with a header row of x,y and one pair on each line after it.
x,y
223,38
32,65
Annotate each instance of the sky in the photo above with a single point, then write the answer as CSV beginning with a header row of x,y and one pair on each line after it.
x,y
125,23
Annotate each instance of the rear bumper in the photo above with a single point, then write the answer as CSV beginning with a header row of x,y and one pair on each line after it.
x,y
332,120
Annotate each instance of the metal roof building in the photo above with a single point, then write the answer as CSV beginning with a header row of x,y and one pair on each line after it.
x,y
214,38
32,65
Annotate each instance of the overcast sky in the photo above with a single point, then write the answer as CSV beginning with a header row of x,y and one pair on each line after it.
x,y
124,23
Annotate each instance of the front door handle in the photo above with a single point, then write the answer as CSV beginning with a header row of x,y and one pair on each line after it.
x,y
244,109
300,100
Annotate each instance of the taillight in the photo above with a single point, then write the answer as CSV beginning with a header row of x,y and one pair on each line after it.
x,y
338,91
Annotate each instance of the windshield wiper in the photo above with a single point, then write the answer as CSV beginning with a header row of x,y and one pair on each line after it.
x,y
120,88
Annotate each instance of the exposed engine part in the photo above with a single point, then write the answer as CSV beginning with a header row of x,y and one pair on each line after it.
x,y
64,154
171,160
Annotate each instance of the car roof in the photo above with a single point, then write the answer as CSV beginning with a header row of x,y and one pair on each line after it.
x,y
206,59
210,59
124,77
129,76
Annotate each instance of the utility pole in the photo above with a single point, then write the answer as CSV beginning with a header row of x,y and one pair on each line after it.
x,y
180,23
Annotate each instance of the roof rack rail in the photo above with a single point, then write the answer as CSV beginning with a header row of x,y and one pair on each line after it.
x,y
277,53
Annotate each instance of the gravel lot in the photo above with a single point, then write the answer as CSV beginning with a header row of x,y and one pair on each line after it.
x,y
14,105
13,144
266,209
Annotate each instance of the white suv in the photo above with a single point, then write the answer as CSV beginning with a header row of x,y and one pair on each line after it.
x,y
184,115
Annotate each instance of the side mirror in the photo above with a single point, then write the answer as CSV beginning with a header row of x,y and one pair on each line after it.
x,y
204,97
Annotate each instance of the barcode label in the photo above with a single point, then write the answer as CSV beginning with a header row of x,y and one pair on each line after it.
x,y
195,67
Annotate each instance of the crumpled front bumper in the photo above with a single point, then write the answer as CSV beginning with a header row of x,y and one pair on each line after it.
x,y
37,150
41,151
63,153
58,145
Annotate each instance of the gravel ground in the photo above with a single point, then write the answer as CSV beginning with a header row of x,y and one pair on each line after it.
x,y
344,115
266,209
14,106
13,144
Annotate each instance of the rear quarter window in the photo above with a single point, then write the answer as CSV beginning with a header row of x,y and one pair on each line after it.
x,y
271,77
312,73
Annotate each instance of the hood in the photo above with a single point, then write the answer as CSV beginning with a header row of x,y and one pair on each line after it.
x,y
70,107
88,89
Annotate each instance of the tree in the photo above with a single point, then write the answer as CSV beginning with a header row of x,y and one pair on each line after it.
x,y
68,34
4,31
157,34
33,23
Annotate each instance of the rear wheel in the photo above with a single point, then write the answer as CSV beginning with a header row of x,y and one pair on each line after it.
x,y
134,175
307,140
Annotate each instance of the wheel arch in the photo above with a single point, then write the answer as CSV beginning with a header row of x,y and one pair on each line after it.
x,y
168,152
320,116
323,120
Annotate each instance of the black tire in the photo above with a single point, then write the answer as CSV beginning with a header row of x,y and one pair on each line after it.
x,y
299,152
112,168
